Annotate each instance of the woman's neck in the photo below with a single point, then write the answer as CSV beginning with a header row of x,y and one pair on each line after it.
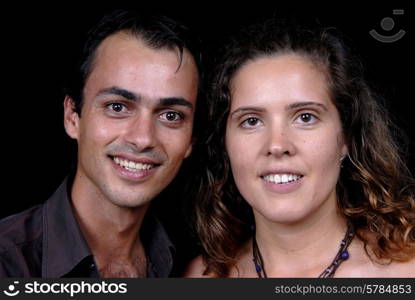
x,y
303,249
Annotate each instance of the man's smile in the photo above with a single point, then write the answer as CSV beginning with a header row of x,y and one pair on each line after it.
x,y
132,166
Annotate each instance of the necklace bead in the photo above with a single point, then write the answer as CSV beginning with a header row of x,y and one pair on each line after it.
x,y
345,255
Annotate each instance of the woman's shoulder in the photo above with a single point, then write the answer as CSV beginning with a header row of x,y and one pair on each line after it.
x,y
196,268
364,264
404,269
393,269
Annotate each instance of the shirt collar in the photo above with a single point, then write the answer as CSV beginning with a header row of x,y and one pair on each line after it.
x,y
64,246
63,243
159,248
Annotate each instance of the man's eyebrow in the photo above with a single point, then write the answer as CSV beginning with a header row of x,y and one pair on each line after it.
x,y
305,104
120,92
175,101
170,101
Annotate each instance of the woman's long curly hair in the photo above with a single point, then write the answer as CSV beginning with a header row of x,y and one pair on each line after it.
x,y
375,189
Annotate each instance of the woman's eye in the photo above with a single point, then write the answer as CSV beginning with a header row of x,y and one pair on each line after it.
x,y
171,116
307,118
250,122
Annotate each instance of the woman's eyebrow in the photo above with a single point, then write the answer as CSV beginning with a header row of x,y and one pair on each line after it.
x,y
297,105
291,106
247,108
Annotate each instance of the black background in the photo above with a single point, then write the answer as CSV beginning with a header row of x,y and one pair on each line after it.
x,y
38,45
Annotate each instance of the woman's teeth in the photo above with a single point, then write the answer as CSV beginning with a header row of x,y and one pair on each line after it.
x,y
281,178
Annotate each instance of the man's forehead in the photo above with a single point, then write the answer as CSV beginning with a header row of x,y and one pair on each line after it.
x,y
123,50
122,42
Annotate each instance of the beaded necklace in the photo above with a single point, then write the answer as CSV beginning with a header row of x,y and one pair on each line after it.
x,y
341,256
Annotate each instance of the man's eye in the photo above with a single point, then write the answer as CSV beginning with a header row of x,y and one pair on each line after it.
x,y
171,116
251,122
117,107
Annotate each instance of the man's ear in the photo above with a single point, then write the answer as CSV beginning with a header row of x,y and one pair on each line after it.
x,y
70,118
190,148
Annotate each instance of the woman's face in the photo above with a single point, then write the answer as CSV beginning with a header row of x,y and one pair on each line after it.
x,y
284,139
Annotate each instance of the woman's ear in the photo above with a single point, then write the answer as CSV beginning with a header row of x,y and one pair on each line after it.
x,y
344,151
70,118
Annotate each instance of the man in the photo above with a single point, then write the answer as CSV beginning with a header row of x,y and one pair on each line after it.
x,y
131,112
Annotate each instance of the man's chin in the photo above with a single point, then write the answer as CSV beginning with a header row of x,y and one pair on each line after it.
x,y
124,197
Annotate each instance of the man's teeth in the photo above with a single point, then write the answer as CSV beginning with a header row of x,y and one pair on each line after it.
x,y
132,166
281,178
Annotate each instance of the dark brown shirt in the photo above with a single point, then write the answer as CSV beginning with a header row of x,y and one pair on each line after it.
x,y
46,241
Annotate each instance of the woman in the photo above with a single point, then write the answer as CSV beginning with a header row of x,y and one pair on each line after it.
x,y
312,183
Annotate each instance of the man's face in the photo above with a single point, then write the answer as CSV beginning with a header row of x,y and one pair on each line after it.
x,y
136,123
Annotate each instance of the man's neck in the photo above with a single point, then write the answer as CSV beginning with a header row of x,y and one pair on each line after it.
x,y
111,231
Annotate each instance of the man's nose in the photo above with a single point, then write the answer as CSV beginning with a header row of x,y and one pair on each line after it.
x,y
141,132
